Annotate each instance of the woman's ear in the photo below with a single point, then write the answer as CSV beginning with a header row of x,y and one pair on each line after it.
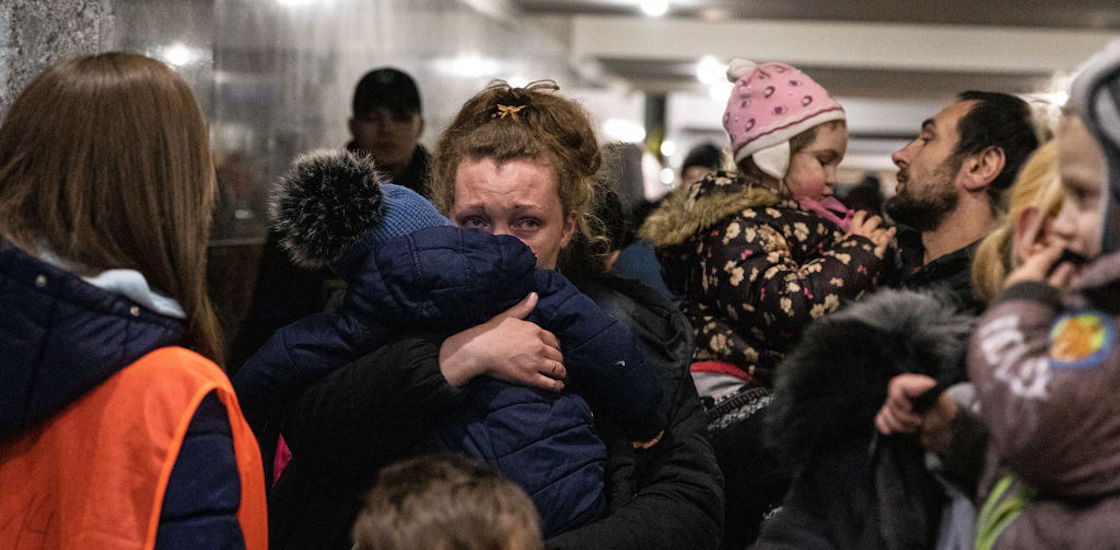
x,y
1028,232
569,230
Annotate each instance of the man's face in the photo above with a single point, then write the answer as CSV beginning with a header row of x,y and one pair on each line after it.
x,y
928,170
388,136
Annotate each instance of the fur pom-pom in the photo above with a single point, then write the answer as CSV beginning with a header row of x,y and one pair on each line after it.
x,y
830,387
323,203
739,67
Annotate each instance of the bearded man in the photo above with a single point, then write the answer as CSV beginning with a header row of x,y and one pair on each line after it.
x,y
951,184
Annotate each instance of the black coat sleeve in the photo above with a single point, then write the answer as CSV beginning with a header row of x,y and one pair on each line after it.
x,y
373,409
343,430
669,497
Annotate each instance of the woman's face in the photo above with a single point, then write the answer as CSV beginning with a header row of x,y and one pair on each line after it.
x,y
518,198
812,171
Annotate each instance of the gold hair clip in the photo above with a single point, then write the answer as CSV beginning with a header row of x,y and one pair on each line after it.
x,y
510,110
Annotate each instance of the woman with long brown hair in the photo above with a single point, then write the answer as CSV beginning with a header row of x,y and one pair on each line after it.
x,y
117,428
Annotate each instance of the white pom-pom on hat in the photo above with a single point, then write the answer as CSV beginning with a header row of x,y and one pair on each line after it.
x,y
739,67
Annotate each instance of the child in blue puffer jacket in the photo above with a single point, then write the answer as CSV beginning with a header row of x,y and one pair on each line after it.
x,y
407,270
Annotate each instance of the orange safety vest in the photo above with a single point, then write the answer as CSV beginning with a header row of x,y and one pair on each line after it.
x,y
94,474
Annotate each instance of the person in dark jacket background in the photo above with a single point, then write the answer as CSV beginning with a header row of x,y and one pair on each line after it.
x,y
117,428
386,125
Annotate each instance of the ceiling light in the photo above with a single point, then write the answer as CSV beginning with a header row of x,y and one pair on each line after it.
x,y
668,148
624,130
470,65
654,8
178,54
720,91
710,70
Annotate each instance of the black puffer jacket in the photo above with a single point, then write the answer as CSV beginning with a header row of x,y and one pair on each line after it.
x,y
670,496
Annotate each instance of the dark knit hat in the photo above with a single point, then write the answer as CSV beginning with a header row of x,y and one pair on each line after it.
x,y
389,88
1095,96
333,199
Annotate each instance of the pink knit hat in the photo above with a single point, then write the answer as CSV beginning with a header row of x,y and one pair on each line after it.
x,y
771,103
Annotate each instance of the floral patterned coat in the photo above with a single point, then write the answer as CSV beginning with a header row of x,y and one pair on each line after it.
x,y
754,269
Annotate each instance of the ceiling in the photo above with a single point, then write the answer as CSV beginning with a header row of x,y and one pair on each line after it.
x,y
668,65
892,63
1078,14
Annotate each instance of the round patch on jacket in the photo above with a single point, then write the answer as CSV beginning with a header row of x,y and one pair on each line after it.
x,y
1081,340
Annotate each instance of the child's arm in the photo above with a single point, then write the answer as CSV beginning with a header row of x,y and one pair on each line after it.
x,y
297,356
604,364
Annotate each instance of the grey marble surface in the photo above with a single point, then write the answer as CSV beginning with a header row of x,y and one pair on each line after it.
x,y
36,33
275,78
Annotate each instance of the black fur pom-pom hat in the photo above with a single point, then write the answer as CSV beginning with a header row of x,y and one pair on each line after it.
x,y
332,199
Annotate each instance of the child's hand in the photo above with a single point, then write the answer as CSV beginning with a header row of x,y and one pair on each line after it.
x,y
870,228
643,445
1043,266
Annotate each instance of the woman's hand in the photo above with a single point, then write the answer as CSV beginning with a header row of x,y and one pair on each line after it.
x,y
870,228
506,348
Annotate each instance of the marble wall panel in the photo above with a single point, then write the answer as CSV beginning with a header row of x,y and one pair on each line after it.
x,y
275,78
284,73
36,33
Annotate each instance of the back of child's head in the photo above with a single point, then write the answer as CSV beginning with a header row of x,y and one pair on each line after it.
x,y
774,110
446,502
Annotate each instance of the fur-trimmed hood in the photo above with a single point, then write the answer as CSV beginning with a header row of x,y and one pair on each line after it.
x,y
830,387
691,210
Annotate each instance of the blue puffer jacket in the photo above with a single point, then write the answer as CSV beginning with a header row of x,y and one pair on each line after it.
x,y
447,279
60,337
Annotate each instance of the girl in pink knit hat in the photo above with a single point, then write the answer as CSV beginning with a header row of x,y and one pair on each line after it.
x,y
757,256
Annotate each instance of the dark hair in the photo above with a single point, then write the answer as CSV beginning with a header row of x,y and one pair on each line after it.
x,y
706,155
997,120
386,87
585,258
446,501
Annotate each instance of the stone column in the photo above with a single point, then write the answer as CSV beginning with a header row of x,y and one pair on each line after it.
x,y
36,33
